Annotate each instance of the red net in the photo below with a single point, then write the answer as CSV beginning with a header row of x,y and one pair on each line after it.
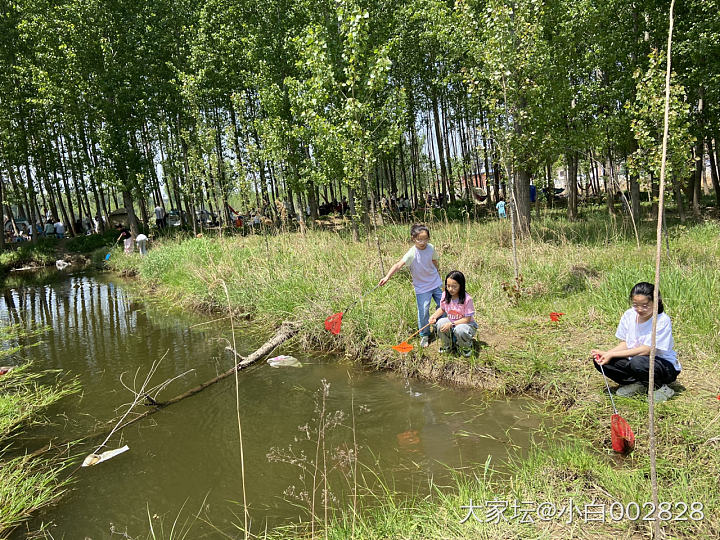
x,y
333,323
623,438
403,347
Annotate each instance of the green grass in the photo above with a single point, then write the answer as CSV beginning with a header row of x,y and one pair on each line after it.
x,y
88,243
584,269
47,250
40,253
26,483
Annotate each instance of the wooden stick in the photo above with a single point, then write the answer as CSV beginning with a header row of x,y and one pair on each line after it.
x,y
418,331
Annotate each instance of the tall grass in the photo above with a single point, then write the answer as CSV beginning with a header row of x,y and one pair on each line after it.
x,y
583,269
26,484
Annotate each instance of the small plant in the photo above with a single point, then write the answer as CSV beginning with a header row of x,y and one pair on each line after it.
x,y
319,461
513,289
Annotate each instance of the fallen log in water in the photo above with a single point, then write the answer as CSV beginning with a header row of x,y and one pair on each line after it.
x,y
285,332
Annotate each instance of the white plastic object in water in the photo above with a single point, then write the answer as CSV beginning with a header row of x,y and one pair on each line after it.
x,y
94,459
284,361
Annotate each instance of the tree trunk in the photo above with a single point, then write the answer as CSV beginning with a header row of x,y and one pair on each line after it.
x,y
68,194
353,215
2,205
714,172
697,179
448,157
699,155
654,195
572,163
634,196
677,187
522,200
439,144
609,188
490,199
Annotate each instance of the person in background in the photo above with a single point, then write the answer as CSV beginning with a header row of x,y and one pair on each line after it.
x,y
501,208
126,237
141,242
59,229
160,217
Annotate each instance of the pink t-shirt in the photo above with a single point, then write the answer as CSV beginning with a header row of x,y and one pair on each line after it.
x,y
455,310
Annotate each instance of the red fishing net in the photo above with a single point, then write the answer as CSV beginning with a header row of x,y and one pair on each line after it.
x,y
623,438
403,347
333,323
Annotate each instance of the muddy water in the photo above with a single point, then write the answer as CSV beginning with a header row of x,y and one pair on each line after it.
x,y
186,460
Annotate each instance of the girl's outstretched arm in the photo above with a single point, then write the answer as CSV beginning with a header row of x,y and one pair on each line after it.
x,y
395,267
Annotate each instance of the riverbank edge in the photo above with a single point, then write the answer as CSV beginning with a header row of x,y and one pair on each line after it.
x,y
424,365
79,251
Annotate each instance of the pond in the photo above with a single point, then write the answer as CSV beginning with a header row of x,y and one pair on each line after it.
x,y
186,460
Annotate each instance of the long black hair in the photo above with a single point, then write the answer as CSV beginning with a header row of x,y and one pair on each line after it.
x,y
647,289
460,278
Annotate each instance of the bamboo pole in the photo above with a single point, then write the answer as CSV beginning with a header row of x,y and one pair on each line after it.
x,y
657,531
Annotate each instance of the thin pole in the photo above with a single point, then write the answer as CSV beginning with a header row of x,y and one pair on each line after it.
x,y
657,531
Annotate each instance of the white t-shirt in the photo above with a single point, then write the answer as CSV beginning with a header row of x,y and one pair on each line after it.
x,y
634,335
425,276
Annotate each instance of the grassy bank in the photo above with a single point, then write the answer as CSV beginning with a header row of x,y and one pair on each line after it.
x,y
26,484
584,270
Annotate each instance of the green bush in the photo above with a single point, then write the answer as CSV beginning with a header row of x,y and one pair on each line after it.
x,y
86,244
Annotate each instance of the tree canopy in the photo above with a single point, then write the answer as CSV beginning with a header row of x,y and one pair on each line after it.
x,y
192,104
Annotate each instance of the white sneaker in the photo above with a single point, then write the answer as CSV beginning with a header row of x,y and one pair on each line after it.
x,y
424,341
630,390
663,393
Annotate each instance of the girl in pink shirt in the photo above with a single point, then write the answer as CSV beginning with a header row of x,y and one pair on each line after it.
x,y
455,318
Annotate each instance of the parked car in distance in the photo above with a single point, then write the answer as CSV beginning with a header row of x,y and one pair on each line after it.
x,y
21,224
206,218
173,218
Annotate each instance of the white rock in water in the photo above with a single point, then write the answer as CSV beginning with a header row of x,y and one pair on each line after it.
x,y
60,264
284,361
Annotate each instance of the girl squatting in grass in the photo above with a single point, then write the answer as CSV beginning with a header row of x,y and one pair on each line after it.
x,y
454,317
628,364
422,260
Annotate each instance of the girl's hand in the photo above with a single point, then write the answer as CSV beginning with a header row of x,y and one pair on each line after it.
x,y
602,357
383,281
446,327
432,319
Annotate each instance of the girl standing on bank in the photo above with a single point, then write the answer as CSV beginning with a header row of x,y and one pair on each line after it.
x,y
422,260
628,364
455,317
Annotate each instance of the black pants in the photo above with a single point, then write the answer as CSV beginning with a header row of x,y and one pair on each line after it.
x,y
637,369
